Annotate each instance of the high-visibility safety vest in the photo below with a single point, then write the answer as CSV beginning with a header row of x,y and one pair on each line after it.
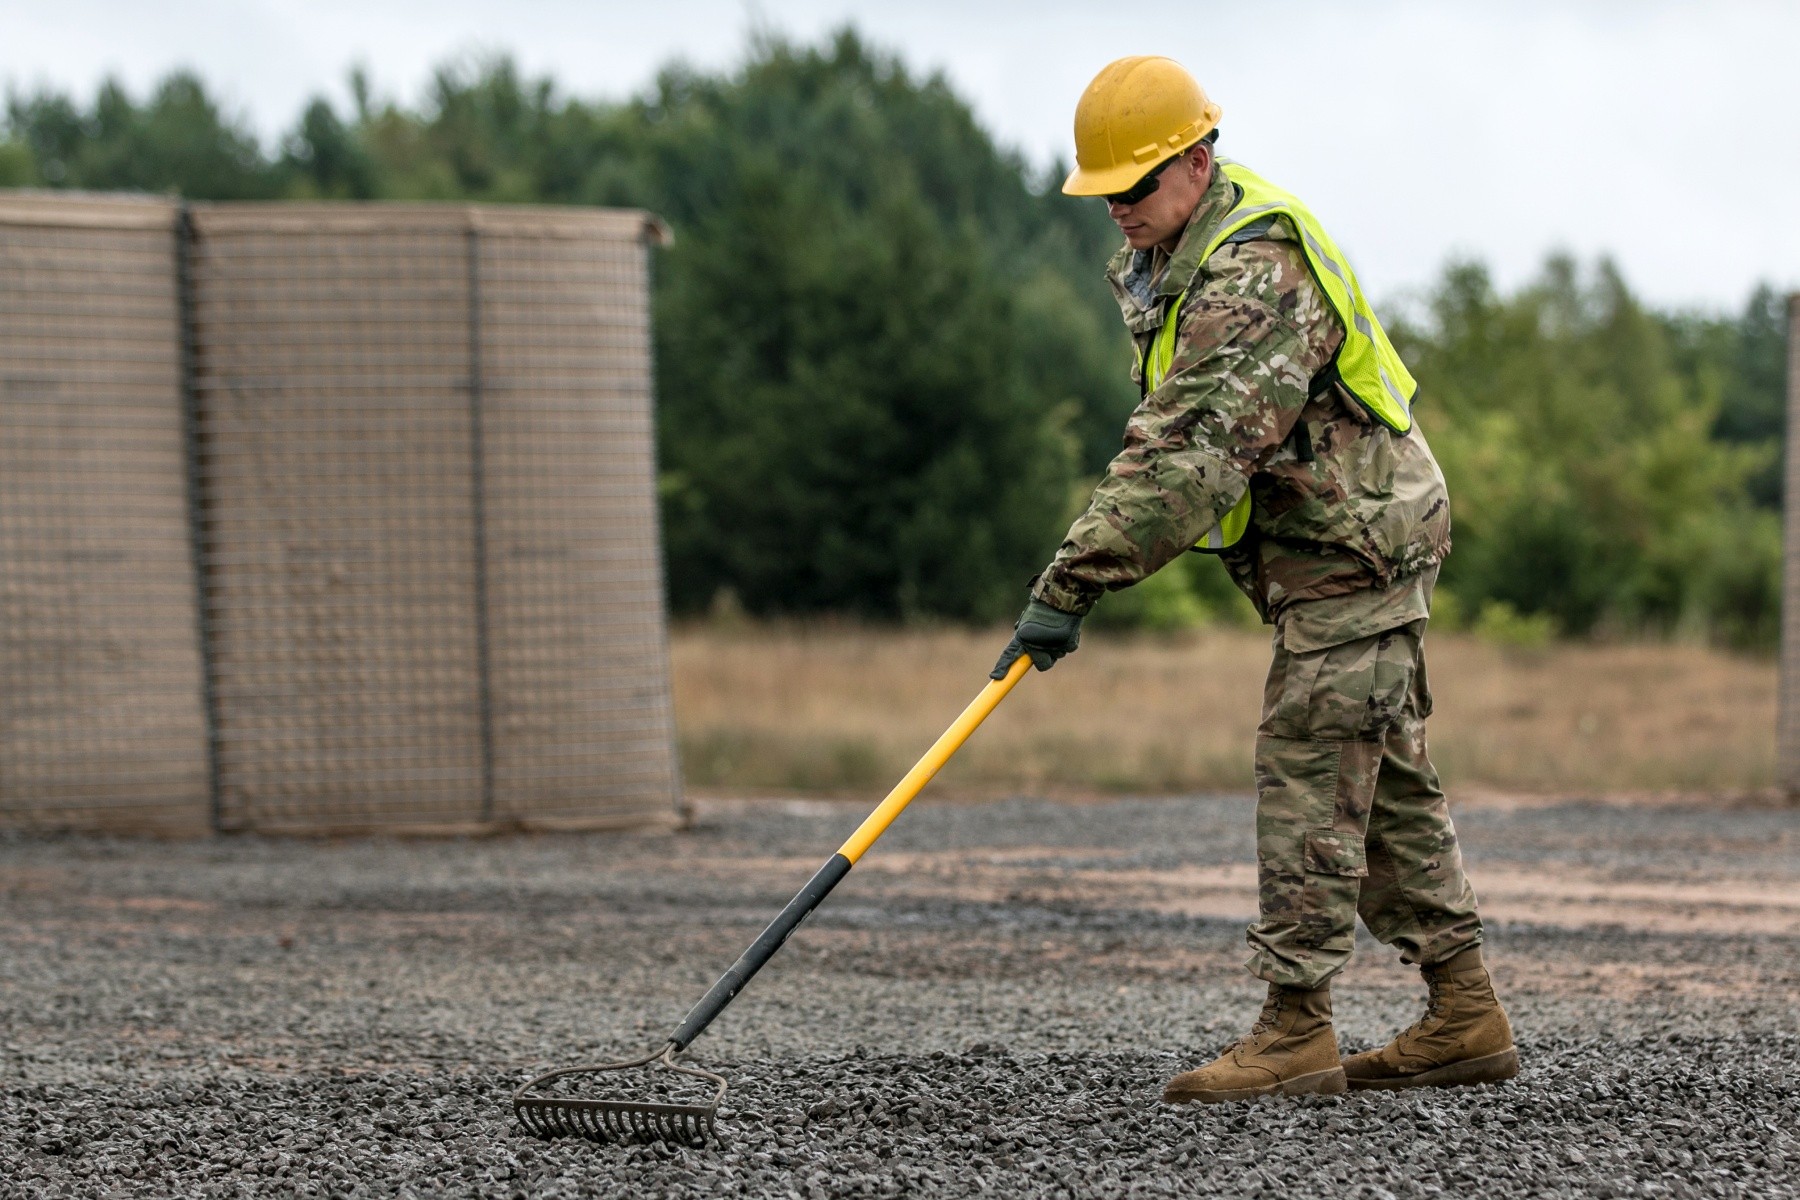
x,y
1367,363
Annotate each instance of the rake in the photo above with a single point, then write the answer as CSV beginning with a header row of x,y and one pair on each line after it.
x,y
564,1111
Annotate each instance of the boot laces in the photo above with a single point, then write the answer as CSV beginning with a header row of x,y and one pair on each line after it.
x,y
1268,1019
1271,1013
1437,1002
1437,998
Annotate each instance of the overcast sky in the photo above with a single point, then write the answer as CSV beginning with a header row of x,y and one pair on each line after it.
x,y
1666,134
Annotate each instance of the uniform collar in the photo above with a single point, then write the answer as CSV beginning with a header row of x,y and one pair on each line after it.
x,y
1140,278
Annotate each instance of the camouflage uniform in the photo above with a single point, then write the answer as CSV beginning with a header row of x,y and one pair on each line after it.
x,y
1349,523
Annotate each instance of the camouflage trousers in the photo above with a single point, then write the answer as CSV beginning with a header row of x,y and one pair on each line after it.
x,y
1349,817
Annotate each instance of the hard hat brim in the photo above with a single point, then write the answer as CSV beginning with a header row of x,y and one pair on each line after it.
x,y
1112,180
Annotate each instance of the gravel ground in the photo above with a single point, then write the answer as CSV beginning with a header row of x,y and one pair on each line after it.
x,y
989,1005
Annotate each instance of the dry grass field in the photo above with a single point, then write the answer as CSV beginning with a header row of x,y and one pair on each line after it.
x,y
833,707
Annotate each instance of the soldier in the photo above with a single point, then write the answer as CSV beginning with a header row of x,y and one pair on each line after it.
x,y
1276,432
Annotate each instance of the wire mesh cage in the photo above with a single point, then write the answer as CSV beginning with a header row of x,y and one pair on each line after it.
x,y
417,492
331,372
101,723
433,585
576,629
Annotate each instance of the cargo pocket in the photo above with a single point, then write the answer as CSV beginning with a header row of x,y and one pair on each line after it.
x,y
1288,694
1329,852
1335,867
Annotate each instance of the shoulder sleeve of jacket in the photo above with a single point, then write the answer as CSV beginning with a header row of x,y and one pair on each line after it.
x,y
1254,331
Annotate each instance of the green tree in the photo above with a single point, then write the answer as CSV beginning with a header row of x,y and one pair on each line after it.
x,y
18,168
178,141
1584,476
846,421
1746,359
324,158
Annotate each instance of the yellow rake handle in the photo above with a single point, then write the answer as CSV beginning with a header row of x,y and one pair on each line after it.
x,y
829,875
877,822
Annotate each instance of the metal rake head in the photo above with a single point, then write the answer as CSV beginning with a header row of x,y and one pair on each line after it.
x,y
548,1113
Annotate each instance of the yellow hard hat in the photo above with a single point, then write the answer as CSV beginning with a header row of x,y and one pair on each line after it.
x,y
1138,112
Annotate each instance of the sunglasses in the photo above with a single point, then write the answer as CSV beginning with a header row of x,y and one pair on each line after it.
x,y
1144,187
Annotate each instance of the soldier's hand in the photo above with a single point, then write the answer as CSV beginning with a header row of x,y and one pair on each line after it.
x,y
1045,633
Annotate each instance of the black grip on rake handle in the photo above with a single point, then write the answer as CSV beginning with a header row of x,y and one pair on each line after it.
x,y
761,951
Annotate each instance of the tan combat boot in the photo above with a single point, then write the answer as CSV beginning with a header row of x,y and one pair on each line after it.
x,y
1290,1050
1464,1036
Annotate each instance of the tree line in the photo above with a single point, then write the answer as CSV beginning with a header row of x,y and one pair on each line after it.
x,y
888,369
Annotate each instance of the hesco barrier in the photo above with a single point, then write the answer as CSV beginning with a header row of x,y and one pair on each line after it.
x,y
420,482
100,713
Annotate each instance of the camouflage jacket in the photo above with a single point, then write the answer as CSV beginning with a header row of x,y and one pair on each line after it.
x,y
1367,514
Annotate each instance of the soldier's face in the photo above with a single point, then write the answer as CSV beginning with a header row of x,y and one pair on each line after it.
x,y
1159,218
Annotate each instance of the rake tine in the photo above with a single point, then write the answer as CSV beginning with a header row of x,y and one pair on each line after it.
x,y
620,1121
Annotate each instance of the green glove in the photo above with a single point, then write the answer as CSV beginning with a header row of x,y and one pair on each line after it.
x,y
1043,632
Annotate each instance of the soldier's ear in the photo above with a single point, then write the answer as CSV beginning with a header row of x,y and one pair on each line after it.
x,y
1200,161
